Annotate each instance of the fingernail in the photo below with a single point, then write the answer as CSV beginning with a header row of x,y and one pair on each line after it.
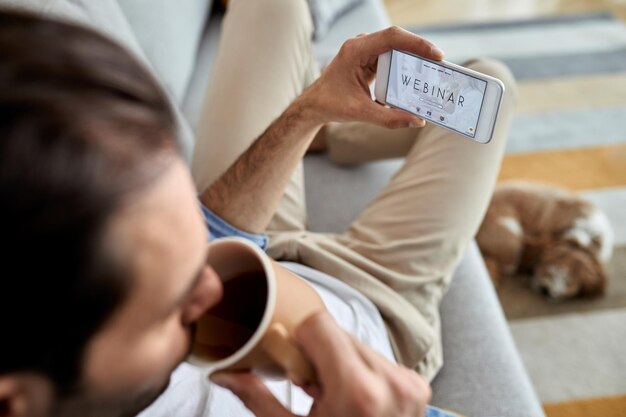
x,y
417,123
436,51
222,380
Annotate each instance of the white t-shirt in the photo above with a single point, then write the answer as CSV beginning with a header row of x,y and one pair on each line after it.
x,y
190,394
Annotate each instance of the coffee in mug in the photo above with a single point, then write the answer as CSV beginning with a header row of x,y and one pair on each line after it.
x,y
252,326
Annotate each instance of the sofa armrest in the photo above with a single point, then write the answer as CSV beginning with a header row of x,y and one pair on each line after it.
x,y
483,374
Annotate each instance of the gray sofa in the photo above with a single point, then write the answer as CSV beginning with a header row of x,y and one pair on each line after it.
x,y
483,374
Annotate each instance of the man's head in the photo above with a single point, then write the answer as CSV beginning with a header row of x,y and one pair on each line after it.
x,y
103,244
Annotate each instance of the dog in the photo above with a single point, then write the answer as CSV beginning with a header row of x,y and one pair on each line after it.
x,y
559,240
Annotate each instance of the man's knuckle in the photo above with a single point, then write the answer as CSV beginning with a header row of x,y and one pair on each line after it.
x,y
348,45
366,399
407,393
410,390
427,393
363,409
392,31
422,389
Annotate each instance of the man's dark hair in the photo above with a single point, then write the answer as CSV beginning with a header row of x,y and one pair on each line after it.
x,y
82,126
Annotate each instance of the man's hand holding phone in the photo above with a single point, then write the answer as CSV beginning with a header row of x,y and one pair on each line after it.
x,y
353,379
412,82
342,94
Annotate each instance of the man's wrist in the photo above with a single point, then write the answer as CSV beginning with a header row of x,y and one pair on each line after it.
x,y
305,112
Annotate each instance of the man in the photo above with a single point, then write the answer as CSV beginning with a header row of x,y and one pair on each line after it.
x,y
107,247
403,248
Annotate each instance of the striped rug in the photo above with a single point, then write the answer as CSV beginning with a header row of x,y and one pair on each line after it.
x,y
570,130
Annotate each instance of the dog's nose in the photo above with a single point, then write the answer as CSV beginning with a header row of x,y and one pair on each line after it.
x,y
540,287
545,290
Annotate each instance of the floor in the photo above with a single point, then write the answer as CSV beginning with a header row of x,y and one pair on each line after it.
x,y
428,12
572,350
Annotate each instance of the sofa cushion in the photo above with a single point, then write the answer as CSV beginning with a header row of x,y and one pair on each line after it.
x,y
367,17
325,12
337,194
169,33
207,50
482,374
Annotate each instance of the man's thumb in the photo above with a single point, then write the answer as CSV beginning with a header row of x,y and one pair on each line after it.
x,y
253,393
390,117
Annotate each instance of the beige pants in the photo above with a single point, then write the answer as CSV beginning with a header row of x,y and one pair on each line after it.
x,y
403,248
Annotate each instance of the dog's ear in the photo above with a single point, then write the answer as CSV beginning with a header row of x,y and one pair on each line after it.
x,y
566,210
597,286
535,248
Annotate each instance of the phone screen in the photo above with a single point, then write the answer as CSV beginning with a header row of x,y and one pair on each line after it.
x,y
435,93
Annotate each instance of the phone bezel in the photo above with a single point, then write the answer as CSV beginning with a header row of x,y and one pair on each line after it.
x,y
491,101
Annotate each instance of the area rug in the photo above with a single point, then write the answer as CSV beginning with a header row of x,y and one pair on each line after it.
x,y
570,131
604,406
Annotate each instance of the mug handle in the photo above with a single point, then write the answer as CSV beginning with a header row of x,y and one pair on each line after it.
x,y
281,347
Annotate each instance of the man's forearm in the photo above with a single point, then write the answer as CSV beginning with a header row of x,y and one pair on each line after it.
x,y
248,193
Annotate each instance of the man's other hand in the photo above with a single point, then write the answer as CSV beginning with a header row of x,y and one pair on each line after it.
x,y
353,379
341,93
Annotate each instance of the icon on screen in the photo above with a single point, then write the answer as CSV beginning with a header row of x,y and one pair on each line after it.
x,y
429,113
442,118
418,108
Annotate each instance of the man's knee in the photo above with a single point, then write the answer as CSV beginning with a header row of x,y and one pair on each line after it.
x,y
498,70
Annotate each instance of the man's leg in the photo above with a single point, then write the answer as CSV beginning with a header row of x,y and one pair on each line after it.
x,y
420,225
357,142
402,250
435,203
263,63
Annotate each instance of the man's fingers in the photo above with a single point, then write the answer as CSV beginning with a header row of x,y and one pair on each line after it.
x,y
253,393
395,37
327,345
388,117
369,355
410,390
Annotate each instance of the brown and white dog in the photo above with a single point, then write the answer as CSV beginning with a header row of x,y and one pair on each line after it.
x,y
559,240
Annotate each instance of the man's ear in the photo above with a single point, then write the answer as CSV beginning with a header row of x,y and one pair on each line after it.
x,y
24,395
11,403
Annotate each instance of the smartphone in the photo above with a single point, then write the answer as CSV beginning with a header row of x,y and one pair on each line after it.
x,y
454,97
